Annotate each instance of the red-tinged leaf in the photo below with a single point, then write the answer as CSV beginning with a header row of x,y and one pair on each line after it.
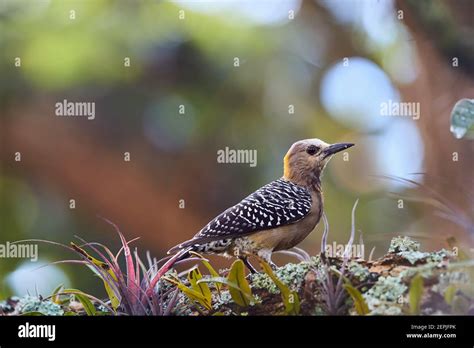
x,y
137,268
165,268
129,262
131,284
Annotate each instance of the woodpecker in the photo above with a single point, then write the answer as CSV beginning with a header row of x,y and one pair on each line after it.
x,y
277,216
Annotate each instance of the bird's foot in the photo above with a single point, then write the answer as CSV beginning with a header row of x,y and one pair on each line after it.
x,y
248,264
272,265
266,255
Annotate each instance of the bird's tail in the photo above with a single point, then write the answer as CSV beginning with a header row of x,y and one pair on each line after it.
x,y
182,246
181,255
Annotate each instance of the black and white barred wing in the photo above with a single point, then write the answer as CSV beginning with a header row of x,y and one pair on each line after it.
x,y
276,204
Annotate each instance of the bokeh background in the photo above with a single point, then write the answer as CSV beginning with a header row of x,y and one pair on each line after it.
x,y
291,56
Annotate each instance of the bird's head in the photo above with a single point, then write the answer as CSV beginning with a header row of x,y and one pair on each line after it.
x,y
306,159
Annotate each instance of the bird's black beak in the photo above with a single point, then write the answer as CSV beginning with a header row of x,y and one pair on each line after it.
x,y
334,148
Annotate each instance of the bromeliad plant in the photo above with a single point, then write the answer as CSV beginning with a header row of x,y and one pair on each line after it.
x,y
135,291
335,285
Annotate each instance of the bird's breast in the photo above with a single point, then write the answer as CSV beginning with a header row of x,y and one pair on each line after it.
x,y
287,236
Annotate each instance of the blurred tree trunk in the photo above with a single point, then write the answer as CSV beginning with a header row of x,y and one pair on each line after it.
x,y
442,31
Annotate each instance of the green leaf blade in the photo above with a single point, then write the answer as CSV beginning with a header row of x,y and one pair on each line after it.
x,y
415,294
243,293
290,298
360,304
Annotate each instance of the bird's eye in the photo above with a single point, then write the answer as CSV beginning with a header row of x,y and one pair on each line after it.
x,y
312,149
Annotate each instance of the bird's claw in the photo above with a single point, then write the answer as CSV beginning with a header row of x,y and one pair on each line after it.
x,y
248,265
